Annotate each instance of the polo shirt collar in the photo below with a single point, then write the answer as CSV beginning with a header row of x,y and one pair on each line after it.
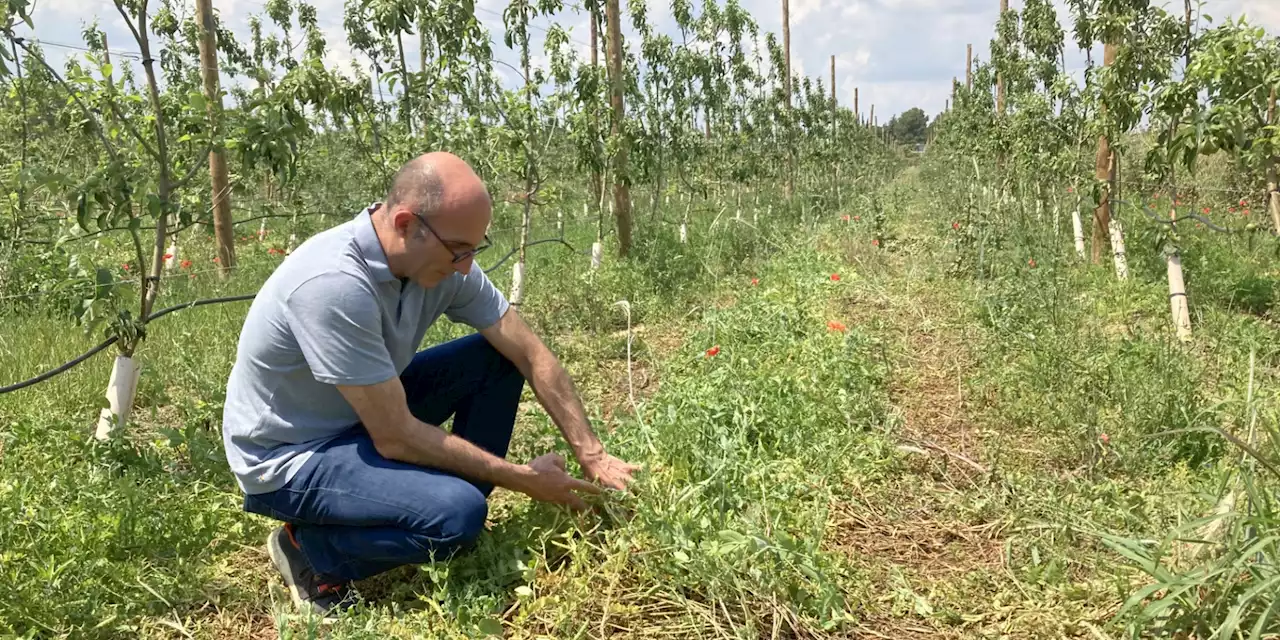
x,y
369,246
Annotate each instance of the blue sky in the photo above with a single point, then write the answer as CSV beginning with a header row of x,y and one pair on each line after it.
x,y
899,53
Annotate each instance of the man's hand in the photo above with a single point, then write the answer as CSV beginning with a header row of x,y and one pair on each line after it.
x,y
549,482
609,471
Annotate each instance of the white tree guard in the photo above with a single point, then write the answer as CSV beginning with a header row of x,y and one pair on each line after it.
x,y
262,231
684,233
560,223
517,283
1178,296
293,242
597,254
172,252
1117,247
1077,228
121,389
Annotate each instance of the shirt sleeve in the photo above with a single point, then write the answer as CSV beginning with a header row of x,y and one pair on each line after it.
x,y
477,303
335,319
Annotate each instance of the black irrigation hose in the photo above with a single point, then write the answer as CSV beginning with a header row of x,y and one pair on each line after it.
x,y
196,303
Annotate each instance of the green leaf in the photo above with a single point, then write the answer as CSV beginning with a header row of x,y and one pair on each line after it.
x,y
197,101
106,69
491,627
153,205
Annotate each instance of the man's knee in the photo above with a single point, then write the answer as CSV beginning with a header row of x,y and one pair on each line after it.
x,y
458,522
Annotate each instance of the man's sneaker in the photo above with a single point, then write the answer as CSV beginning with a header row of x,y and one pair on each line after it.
x,y
309,591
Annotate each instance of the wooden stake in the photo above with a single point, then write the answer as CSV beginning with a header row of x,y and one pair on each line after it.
x,y
833,97
857,115
217,156
621,193
968,69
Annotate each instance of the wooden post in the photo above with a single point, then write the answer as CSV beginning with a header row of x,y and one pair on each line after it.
x,y
1103,171
968,69
786,87
833,97
621,193
857,115
872,120
217,156
1004,8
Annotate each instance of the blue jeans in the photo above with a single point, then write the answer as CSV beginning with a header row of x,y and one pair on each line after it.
x,y
357,514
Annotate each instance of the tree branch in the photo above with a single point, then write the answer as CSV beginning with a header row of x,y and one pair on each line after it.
x,y
70,91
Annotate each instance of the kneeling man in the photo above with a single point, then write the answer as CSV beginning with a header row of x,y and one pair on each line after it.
x,y
331,417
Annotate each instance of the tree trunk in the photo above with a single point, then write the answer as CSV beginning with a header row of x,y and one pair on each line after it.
x,y
422,69
621,192
786,88
1103,172
1273,181
407,105
597,180
217,156
1004,8
1114,227
526,219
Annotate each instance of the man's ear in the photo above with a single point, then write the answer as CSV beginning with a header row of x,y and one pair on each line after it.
x,y
402,221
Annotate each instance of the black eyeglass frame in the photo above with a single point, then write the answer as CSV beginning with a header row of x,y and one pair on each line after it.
x,y
457,257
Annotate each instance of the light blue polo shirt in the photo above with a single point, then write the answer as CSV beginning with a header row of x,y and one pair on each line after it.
x,y
331,313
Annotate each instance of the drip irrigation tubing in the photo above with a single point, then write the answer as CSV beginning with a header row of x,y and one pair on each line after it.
x,y
62,368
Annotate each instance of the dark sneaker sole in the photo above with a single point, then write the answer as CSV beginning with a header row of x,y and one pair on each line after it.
x,y
275,541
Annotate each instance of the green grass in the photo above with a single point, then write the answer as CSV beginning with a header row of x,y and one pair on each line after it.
x,y
785,492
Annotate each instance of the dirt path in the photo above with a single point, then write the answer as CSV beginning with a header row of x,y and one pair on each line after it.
x,y
934,556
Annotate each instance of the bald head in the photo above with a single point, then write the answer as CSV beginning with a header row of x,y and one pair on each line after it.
x,y
438,183
435,214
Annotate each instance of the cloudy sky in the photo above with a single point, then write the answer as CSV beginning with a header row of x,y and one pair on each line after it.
x,y
899,53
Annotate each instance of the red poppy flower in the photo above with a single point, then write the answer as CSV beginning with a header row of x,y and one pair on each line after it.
x,y
845,217
1104,438
1205,210
713,351
875,242
186,264
836,325
955,225
835,277
125,266
1244,203
857,218
1031,263
1246,212
217,260
1070,190
168,256
755,281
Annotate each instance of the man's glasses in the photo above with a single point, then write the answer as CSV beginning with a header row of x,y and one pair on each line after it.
x,y
457,256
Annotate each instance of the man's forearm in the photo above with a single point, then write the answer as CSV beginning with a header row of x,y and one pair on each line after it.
x,y
555,391
430,446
